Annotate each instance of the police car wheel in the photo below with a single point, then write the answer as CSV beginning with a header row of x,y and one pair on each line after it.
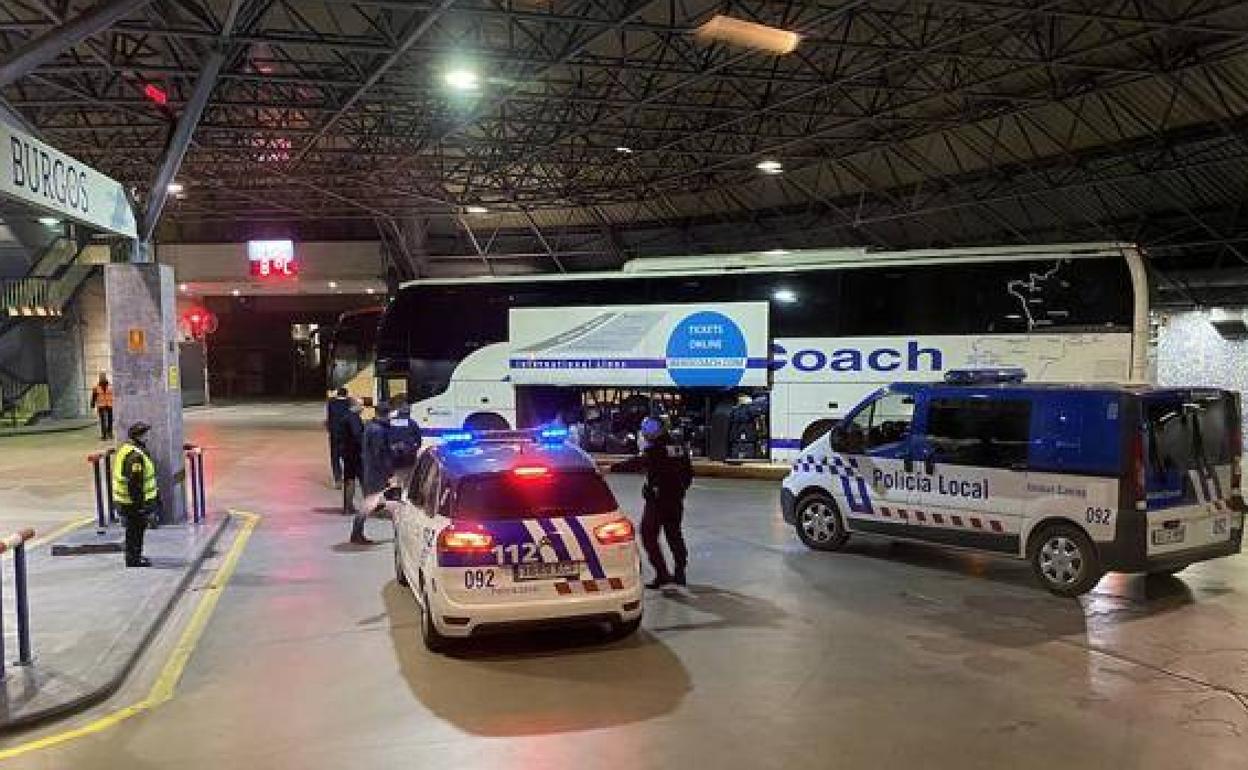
x,y
1066,561
819,524
625,629
400,576
434,641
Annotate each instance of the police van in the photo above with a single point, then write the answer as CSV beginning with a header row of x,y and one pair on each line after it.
x,y
1077,479
507,531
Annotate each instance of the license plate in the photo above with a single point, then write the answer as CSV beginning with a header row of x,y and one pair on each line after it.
x,y
552,570
1169,536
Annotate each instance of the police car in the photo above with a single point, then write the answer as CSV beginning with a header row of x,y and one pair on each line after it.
x,y
506,531
1078,479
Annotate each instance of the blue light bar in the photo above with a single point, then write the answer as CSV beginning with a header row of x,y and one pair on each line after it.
x,y
997,376
553,435
457,437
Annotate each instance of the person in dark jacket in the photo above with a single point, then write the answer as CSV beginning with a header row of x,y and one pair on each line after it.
x,y
377,466
669,474
350,446
336,409
404,433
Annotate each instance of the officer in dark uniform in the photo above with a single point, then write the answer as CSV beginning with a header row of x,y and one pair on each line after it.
x,y
336,410
134,491
669,473
404,433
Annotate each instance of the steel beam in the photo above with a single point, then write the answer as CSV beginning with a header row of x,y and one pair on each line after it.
x,y
48,46
179,143
16,119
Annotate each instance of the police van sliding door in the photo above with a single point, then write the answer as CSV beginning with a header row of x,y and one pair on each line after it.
x,y
971,454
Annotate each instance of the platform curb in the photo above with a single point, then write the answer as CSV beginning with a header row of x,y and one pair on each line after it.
x,y
110,687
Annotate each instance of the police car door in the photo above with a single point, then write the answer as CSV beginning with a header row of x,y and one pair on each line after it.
x,y
972,452
868,463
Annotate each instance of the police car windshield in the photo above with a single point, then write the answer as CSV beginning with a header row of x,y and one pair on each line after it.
x,y
554,493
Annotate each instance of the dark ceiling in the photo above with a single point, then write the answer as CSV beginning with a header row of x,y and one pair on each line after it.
x,y
899,123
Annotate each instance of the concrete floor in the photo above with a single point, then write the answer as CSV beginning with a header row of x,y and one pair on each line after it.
x,y
883,656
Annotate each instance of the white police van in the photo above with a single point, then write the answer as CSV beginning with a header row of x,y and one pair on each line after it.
x,y
1078,479
507,531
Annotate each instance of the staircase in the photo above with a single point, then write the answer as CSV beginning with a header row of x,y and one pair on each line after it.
x,y
41,296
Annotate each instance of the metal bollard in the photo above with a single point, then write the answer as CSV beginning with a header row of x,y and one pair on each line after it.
x,y
94,458
108,484
195,480
17,544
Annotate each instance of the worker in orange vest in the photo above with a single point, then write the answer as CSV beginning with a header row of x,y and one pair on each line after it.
x,y
102,403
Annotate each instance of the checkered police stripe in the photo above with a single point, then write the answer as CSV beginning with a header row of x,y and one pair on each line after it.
x,y
589,586
982,523
846,468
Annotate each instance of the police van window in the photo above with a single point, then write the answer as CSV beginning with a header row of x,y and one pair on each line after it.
x,y
883,423
416,483
989,433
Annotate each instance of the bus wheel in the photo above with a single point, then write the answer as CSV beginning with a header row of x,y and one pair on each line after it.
x,y
486,421
1066,561
815,431
819,524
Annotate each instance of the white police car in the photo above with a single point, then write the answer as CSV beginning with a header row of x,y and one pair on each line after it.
x,y
1078,479
504,532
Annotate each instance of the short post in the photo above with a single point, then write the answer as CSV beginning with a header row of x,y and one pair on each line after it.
x,y
203,499
17,544
108,484
94,458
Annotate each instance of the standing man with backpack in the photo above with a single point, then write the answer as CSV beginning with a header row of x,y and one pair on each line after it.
x,y
404,433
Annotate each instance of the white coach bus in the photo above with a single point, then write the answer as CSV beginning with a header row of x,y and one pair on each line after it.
x,y
755,355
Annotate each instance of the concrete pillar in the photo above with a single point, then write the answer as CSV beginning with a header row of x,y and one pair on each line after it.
x,y
142,323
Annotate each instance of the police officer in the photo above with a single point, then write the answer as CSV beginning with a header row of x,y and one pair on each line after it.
x,y
134,491
377,464
336,409
669,473
404,433
350,446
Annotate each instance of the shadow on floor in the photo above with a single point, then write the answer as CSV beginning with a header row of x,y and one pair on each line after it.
x,y
728,609
536,684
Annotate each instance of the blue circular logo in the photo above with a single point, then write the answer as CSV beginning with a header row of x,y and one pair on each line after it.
x,y
706,349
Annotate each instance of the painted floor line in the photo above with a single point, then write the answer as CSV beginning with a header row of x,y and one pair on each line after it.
x,y
55,534
162,690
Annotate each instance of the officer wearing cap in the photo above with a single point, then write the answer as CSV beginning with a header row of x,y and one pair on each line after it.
x,y
134,491
669,473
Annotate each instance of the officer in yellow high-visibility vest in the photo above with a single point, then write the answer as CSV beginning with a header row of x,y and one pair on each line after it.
x,y
134,491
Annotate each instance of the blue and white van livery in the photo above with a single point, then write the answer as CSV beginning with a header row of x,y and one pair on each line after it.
x,y
1078,479
506,531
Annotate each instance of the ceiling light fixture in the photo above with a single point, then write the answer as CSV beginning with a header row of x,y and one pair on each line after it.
x,y
176,188
333,284
770,166
476,209
624,150
235,292
747,34
462,79
49,221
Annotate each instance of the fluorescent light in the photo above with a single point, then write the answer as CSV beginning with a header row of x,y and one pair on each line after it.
x,y
370,290
235,292
787,296
49,221
462,80
624,150
476,209
770,167
748,34
776,252
176,188
183,287
333,284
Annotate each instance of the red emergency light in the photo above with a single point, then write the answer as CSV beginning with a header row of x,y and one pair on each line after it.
x,y
156,94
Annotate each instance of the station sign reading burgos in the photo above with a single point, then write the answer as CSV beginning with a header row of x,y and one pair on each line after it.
x,y
698,345
33,172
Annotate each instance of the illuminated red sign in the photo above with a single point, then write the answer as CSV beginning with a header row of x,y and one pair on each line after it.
x,y
156,94
272,259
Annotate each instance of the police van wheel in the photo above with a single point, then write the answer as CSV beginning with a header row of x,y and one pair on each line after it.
x,y
819,524
434,641
400,576
1066,561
